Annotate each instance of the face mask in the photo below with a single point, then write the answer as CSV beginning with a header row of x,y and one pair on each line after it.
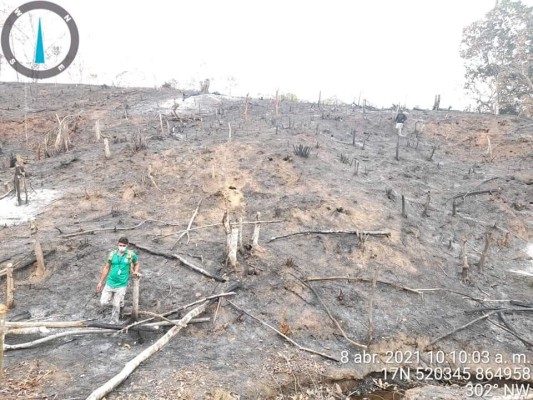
x,y
121,249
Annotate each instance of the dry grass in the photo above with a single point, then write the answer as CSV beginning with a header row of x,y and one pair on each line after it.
x,y
29,379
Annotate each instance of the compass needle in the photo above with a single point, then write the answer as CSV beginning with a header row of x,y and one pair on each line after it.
x,y
32,52
39,51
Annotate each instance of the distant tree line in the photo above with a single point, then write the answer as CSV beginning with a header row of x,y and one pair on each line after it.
x,y
498,54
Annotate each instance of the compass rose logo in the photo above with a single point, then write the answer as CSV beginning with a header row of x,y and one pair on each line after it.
x,y
41,51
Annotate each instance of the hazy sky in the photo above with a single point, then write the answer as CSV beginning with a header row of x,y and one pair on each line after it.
x,y
382,50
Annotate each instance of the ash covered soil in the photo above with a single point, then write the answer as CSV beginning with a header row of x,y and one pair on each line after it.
x,y
189,159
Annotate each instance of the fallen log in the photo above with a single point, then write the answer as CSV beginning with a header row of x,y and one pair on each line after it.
x,y
354,232
67,324
407,289
47,324
499,309
176,321
46,339
485,316
166,322
465,295
176,310
521,304
38,330
182,260
7,194
475,193
277,221
27,263
111,384
513,331
355,279
119,327
114,229
21,316
9,257
149,327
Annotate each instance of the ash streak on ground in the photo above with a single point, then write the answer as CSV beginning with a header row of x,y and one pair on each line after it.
x,y
13,214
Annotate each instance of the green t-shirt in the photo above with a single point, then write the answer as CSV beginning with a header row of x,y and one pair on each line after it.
x,y
119,273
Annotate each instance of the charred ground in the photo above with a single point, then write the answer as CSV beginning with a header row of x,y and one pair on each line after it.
x,y
191,159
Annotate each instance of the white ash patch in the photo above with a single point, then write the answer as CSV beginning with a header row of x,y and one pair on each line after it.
x,y
200,104
13,214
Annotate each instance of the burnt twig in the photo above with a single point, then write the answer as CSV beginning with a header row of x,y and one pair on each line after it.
x,y
355,232
282,335
339,327
182,260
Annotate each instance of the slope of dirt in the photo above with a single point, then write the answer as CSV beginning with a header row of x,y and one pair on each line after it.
x,y
409,289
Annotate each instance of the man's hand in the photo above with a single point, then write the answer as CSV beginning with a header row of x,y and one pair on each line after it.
x,y
99,287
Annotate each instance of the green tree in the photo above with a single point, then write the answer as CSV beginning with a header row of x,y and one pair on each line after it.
x,y
498,52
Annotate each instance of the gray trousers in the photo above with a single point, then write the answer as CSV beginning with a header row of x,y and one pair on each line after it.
x,y
116,296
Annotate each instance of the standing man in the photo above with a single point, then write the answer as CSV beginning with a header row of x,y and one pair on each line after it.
x,y
400,119
116,276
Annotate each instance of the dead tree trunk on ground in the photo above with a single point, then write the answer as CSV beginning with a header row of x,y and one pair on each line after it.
x,y
26,263
183,260
55,336
133,364
356,232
